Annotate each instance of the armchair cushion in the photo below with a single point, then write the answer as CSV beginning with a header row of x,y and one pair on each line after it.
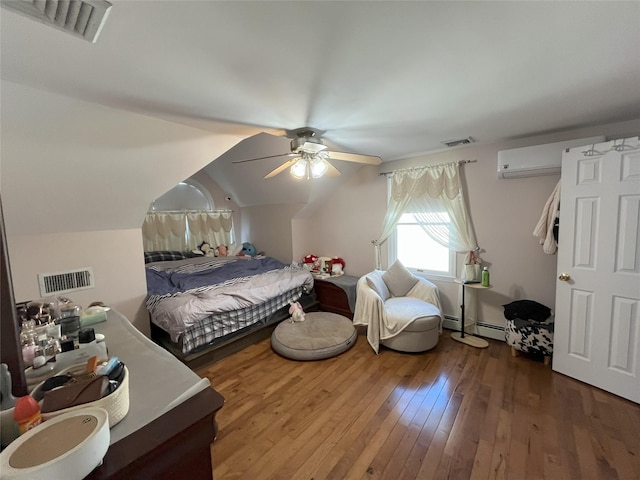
x,y
381,324
399,279
376,283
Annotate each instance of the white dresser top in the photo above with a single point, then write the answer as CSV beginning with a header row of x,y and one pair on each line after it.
x,y
157,380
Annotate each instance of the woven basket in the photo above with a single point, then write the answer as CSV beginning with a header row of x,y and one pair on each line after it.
x,y
116,403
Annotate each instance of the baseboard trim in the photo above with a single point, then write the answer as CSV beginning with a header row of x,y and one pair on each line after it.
x,y
487,330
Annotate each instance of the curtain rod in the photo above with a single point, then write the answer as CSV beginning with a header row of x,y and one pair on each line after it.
x,y
218,210
459,162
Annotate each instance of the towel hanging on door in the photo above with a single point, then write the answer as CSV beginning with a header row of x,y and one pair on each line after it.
x,y
544,230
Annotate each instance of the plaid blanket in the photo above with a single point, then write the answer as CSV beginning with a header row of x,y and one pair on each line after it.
x,y
219,325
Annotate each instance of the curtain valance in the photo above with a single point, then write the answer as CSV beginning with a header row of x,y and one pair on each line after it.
x,y
434,182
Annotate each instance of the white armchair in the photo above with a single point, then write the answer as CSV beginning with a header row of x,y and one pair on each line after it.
x,y
400,310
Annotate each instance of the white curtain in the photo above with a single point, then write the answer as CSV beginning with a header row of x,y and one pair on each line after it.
x,y
213,227
163,231
186,230
426,192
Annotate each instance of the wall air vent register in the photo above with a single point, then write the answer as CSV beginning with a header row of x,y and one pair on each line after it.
x,y
81,18
65,282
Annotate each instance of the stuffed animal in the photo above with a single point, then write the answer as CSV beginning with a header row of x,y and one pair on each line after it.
x,y
337,267
222,251
312,262
296,312
248,249
206,250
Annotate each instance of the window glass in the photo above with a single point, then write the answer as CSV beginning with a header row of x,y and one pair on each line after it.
x,y
183,196
417,250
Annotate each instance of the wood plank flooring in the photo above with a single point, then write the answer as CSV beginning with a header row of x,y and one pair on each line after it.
x,y
455,412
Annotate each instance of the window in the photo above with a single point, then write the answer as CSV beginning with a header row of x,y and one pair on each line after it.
x,y
187,195
417,250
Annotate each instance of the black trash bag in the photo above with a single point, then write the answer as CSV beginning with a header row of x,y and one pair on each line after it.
x,y
526,310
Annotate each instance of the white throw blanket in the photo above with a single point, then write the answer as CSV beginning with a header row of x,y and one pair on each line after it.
x,y
544,229
381,325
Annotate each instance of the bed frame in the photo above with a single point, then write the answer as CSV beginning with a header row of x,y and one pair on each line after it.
x,y
229,344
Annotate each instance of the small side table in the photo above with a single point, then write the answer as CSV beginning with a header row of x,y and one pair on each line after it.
x,y
336,294
461,336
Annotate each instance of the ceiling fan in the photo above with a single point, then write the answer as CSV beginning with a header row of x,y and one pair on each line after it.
x,y
310,157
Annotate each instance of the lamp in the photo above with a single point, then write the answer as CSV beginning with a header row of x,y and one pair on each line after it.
x,y
309,166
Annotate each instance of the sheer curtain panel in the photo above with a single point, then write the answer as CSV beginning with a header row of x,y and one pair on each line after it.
x,y
426,192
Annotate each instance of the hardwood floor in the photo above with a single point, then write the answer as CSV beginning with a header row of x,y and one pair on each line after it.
x,y
455,412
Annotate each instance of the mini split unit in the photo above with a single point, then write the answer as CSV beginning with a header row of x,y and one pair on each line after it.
x,y
538,159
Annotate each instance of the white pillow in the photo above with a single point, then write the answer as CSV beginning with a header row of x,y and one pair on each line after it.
x,y
399,279
375,282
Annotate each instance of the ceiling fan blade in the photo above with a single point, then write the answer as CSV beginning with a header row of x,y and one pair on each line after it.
x,y
288,154
281,168
331,170
355,157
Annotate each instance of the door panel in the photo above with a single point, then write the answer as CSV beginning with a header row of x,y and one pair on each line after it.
x,y
628,247
586,228
581,321
597,329
624,334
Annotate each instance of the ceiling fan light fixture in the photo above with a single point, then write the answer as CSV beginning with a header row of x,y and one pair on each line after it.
x,y
299,169
318,168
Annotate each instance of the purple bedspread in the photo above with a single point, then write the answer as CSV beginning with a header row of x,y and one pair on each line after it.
x,y
161,282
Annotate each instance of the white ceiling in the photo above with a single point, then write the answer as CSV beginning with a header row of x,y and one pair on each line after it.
x,y
392,79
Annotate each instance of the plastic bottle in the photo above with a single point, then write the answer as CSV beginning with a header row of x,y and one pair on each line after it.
x,y
485,277
7,400
27,413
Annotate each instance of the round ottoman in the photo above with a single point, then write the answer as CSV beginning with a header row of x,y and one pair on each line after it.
x,y
321,335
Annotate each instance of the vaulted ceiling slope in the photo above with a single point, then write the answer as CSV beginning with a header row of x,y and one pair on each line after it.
x,y
393,79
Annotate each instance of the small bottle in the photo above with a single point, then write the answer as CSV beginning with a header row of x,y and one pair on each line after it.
x,y
485,277
27,413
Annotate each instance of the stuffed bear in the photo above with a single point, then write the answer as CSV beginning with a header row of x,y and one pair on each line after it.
x,y
206,250
296,312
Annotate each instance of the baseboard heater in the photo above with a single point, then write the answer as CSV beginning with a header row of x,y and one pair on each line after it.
x,y
488,330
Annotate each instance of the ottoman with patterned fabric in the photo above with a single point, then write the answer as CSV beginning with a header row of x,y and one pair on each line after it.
x,y
529,328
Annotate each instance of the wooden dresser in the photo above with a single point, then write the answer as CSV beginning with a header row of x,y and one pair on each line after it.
x,y
170,426
336,294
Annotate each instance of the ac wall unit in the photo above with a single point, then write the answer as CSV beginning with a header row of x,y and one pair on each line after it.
x,y
538,159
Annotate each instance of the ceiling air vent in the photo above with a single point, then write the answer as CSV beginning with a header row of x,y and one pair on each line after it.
x,y
458,141
82,18
64,282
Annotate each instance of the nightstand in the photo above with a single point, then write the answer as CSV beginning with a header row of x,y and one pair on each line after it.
x,y
337,294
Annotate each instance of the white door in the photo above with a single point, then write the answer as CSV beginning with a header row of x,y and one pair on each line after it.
x,y
597,324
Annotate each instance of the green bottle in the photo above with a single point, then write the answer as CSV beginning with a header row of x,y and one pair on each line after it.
x,y
485,277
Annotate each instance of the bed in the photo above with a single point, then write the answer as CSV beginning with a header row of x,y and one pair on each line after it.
x,y
199,304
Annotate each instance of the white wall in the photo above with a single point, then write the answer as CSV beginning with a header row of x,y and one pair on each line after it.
x,y
116,258
268,228
345,223
76,181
